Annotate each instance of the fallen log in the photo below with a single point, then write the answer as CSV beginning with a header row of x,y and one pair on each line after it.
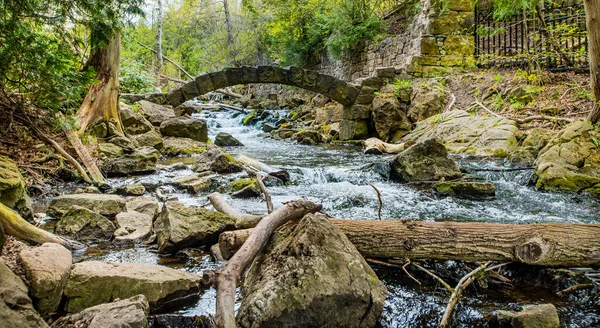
x,y
377,146
272,171
14,225
242,220
225,280
555,245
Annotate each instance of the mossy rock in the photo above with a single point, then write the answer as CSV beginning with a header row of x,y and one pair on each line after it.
x,y
245,188
85,225
251,118
466,189
182,146
424,161
13,188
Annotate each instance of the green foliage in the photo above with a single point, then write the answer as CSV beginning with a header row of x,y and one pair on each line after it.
x,y
43,45
134,78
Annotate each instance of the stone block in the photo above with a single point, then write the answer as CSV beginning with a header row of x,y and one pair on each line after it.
x,y
372,82
235,76
219,80
190,90
452,60
356,112
350,129
365,99
250,74
459,45
385,72
429,46
324,84
204,84
444,24
270,74
175,97
426,60
310,79
456,5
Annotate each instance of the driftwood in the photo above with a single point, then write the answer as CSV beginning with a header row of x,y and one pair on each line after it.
x,y
242,220
235,108
278,173
552,245
225,280
14,225
252,172
377,146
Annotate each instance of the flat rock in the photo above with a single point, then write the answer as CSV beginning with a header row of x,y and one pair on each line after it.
x,y
531,316
142,160
47,268
178,226
424,161
107,205
128,313
84,225
182,146
134,123
461,132
466,189
197,182
92,283
145,204
16,308
133,226
185,127
136,189
155,113
310,275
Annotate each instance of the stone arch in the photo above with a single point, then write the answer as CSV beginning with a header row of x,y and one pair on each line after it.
x,y
324,84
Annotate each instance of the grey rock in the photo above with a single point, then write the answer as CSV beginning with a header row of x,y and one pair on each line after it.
x,y
531,316
133,122
84,225
16,308
216,160
108,205
424,161
225,139
127,313
150,139
146,204
466,189
142,160
155,113
185,127
133,226
197,182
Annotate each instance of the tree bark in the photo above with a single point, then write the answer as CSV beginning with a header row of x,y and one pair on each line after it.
x,y
556,245
102,100
159,53
14,225
226,280
592,21
85,157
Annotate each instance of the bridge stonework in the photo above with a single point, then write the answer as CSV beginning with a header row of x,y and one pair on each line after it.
x,y
336,89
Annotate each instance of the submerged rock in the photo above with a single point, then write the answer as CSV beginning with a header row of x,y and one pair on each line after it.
x,y
84,225
466,189
225,139
461,132
310,275
307,137
424,161
108,205
531,316
182,146
178,226
92,283
390,120
155,113
142,160
196,182
571,160
133,226
16,309
127,313
13,188
216,160
185,127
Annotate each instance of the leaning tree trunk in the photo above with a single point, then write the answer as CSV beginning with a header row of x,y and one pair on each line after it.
x,y
159,53
592,20
558,245
102,100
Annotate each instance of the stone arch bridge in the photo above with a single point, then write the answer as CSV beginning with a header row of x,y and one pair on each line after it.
x,y
336,89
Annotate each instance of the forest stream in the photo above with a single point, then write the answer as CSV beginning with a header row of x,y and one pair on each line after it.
x,y
338,176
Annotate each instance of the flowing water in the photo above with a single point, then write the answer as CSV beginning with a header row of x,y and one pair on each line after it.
x,y
338,176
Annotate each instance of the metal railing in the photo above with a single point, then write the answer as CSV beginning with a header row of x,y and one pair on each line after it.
x,y
554,38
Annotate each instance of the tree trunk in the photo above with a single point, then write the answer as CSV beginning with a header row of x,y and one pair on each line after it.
x,y
592,21
229,31
14,225
159,53
557,245
102,100
85,157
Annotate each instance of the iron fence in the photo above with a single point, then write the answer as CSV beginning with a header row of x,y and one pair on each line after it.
x,y
553,38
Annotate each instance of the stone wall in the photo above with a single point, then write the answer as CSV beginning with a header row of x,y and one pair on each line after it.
x,y
438,40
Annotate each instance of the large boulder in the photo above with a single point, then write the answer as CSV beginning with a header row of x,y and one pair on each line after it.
x,y
531,316
466,189
389,118
225,139
424,161
428,99
107,205
461,132
182,146
133,226
133,122
155,113
127,313
216,160
179,226
310,275
142,160
47,268
245,188
185,127
16,308
84,225
13,188
145,204
92,283
149,139
571,160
